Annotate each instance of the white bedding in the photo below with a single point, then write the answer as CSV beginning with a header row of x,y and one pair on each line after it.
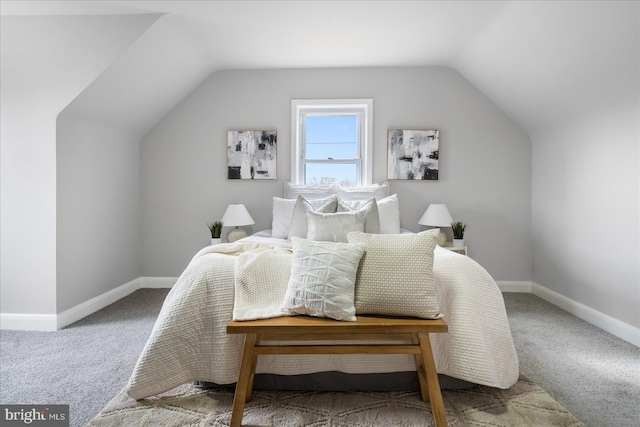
x,y
189,340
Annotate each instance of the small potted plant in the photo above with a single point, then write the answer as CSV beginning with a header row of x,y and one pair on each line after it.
x,y
458,229
216,229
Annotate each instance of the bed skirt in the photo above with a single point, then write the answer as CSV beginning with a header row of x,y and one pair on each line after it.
x,y
340,381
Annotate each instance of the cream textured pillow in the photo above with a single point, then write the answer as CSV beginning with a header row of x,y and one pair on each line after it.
x,y
396,274
370,207
389,215
334,227
322,279
303,206
283,213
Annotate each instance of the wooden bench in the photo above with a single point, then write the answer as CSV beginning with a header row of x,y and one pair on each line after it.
x,y
304,328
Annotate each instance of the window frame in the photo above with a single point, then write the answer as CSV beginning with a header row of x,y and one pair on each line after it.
x,y
363,108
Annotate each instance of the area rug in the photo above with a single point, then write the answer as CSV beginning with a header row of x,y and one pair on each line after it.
x,y
524,404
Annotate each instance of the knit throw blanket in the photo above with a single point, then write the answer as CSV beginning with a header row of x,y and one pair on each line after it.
x,y
189,340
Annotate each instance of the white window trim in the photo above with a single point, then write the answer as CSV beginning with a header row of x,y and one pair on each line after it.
x,y
300,106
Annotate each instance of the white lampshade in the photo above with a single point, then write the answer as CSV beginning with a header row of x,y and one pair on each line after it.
x,y
237,215
234,216
437,215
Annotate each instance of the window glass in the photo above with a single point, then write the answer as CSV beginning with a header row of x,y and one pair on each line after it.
x,y
331,136
327,173
332,141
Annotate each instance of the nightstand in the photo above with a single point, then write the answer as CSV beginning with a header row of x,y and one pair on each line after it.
x,y
460,250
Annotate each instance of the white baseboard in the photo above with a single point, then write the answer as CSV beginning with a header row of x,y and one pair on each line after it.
x,y
86,308
53,322
616,327
28,322
512,286
157,282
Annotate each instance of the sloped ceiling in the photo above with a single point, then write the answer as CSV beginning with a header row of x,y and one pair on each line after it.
x,y
541,62
46,61
546,63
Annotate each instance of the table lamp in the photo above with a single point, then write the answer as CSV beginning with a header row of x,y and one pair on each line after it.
x,y
235,216
437,215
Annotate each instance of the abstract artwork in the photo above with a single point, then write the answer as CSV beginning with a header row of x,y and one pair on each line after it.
x,y
251,154
413,154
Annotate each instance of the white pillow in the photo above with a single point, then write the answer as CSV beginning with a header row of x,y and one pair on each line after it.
x,y
310,191
283,213
389,215
303,206
323,276
376,191
372,219
334,227
395,277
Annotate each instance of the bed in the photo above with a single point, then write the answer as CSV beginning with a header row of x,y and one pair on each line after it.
x,y
189,342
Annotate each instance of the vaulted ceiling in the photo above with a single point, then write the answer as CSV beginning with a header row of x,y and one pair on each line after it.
x,y
543,63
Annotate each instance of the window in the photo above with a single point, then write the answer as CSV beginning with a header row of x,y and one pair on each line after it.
x,y
332,141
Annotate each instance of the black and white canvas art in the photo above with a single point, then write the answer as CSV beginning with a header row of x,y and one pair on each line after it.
x,y
251,154
413,154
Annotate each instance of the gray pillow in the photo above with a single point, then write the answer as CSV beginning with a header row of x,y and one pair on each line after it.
x,y
370,207
298,227
333,227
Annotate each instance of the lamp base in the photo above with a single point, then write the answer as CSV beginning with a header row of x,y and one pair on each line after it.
x,y
442,239
235,234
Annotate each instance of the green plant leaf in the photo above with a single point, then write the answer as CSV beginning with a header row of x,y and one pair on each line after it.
x,y
458,229
215,228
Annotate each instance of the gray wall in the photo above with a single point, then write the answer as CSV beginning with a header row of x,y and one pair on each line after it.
x,y
585,211
46,62
98,209
485,165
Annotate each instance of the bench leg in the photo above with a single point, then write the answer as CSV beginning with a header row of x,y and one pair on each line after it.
x,y
254,362
433,385
244,377
422,379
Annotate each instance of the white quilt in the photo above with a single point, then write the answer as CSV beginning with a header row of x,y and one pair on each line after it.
x,y
189,340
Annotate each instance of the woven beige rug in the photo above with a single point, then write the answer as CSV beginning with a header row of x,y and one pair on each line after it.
x,y
524,404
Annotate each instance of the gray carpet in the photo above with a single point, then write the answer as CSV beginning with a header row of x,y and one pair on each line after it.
x,y
591,373
85,364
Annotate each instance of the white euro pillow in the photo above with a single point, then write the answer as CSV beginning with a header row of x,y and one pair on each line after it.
x,y
364,192
395,277
389,215
310,191
322,279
